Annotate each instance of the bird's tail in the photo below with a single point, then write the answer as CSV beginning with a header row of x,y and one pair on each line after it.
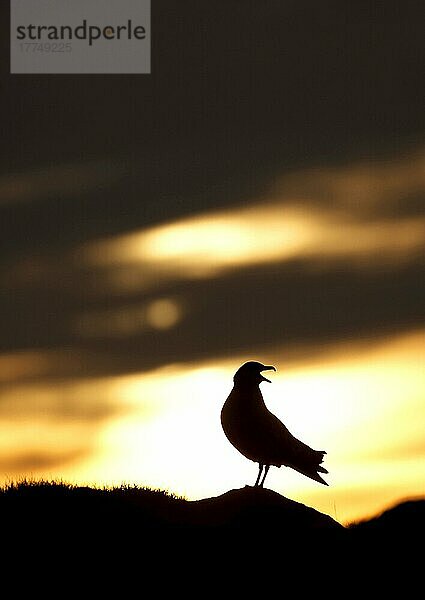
x,y
314,468
317,478
310,472
320,456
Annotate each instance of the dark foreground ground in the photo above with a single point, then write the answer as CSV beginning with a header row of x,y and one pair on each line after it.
x,y
249,509
62,540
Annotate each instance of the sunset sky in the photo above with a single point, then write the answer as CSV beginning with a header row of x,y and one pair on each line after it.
x,y
244,202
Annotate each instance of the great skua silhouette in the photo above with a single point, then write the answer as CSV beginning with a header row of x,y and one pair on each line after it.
x,y
258,434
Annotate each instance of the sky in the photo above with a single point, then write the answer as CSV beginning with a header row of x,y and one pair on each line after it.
x,y
258,196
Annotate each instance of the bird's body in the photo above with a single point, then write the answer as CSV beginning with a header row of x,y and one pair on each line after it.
x,y
258,434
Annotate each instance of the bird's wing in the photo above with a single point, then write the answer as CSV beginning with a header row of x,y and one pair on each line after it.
x,y
294,453
278,442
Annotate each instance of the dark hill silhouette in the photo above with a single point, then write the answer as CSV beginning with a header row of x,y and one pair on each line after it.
x,y
47,505
406,518
248,508
258,508
138,535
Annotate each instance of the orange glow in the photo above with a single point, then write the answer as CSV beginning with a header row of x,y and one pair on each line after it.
x,y
361,402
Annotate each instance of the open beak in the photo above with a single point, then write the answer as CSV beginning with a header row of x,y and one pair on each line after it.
x,y
267,368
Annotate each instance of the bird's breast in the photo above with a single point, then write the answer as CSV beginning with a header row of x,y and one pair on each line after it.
x,y
241,419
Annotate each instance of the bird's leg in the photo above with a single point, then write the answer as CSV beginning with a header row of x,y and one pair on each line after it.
x,y
259,473
266,470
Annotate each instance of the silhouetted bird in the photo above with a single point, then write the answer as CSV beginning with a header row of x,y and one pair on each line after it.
x,y
258,434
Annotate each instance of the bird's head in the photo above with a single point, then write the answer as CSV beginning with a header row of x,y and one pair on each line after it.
x,y
250,373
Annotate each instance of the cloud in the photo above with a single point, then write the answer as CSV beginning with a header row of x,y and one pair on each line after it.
x,y
347,214
29,463
208,246
129,320
318,257
367,189
64,180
